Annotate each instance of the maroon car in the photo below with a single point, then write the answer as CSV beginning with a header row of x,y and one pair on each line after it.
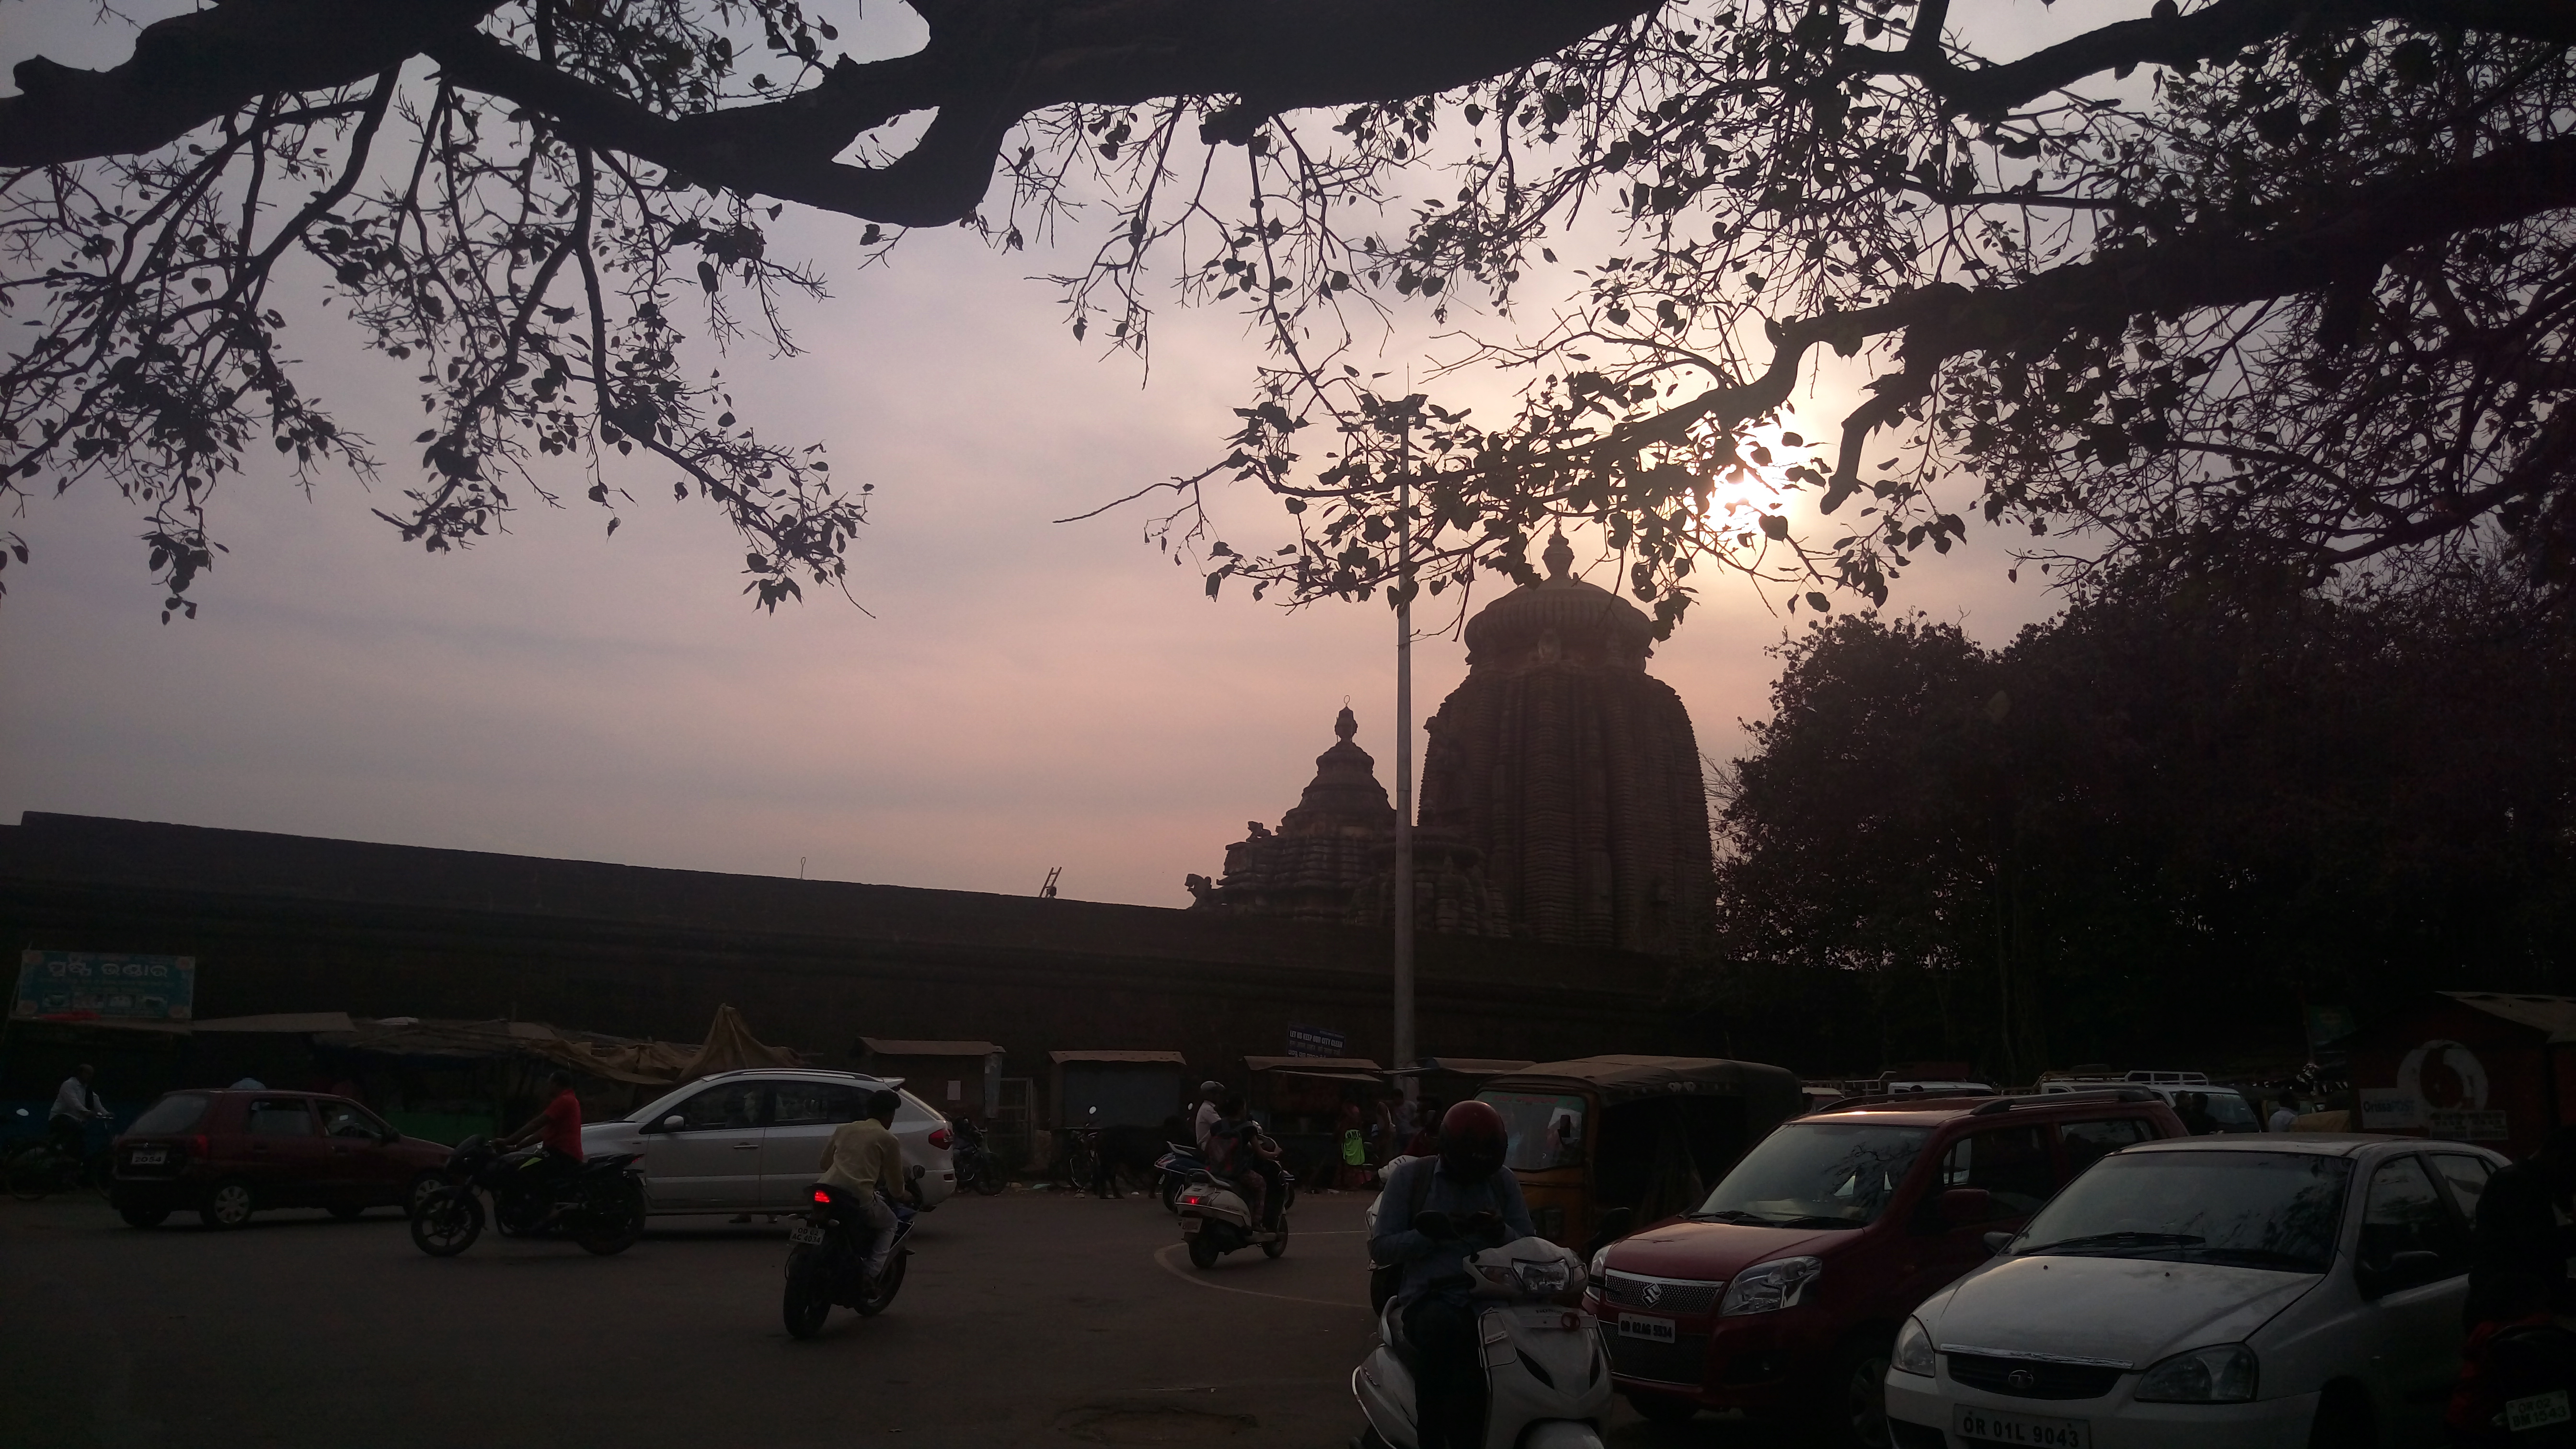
x,y
229,1153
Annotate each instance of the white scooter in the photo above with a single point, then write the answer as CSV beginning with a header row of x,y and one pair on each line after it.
x,y
1547,1382
1217,1220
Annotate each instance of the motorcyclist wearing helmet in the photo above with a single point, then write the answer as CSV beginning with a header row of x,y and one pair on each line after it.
x,y
1461,1202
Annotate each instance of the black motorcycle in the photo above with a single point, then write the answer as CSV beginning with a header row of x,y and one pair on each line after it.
x,y
827,1264
600,1206
977,1171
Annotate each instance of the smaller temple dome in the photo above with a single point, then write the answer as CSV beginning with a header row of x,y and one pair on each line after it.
x,y
1561,617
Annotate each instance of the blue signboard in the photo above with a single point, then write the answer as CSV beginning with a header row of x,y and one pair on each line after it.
x,y
1315,1041
104,986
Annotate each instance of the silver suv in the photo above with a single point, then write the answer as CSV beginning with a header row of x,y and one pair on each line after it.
x,y
749,1141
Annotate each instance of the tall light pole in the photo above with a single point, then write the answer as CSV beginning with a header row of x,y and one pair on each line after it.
x,y
1404,1048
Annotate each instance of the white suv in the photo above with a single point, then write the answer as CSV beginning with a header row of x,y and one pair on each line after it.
x,y
750,1141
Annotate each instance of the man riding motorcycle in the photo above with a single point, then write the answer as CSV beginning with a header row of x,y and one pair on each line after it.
x,y
862,1166
557,1129
1435,1213
1240,1150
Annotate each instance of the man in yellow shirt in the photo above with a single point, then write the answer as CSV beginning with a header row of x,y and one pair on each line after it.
x,y
862,1160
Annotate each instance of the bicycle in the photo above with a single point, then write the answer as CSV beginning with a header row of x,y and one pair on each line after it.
x,y
38,1171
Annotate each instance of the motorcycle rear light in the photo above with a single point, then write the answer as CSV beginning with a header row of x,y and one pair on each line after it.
x,y
822,1197
940,1139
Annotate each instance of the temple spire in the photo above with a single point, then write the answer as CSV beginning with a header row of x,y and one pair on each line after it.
x,y
1559,557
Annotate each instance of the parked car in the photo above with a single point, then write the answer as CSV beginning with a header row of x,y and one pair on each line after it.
x,y
227,1154
748,1141
2223,1109
2221,1291
1784,1291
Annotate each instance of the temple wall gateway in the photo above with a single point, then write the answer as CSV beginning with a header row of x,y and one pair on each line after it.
x,y
296,923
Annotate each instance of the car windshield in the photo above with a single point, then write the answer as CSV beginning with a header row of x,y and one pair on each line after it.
x,y
1546,1130
2231,1111
175,1113
1817,1175
2247,1209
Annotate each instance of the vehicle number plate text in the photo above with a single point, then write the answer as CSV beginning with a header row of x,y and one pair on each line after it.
x,y
2021,1429
2536,1412
154,1157
807,1234
1653,1330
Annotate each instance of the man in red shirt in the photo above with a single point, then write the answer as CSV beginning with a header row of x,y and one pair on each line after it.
x,y
556,1127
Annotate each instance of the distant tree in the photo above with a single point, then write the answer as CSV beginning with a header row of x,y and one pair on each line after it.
x,y
2152,826
2290,277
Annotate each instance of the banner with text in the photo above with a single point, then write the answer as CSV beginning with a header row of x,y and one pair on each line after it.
x,y
104,986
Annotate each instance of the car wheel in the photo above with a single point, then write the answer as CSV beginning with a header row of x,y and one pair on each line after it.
x,y
421,1187
2344,1420
1853,1408
1662,1408
143,1217
1203,1250
228,1206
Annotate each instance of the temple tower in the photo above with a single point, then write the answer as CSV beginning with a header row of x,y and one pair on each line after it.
x,y
1332,858
1572,772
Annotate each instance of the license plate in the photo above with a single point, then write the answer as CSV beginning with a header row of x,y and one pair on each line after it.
x,y
2536,1412
2021,1429
155,1156
1653,1330
805,1233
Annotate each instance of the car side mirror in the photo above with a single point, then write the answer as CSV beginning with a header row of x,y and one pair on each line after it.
x,y
1615,1224
1961,1206
2407,1269
1997,1242
674,1122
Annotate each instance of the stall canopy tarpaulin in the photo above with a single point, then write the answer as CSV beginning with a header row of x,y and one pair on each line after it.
x,y
729,1044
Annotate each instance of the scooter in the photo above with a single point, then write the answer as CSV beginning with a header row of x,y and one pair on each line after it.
x,y
1216,1219
1177,1167
1547,1380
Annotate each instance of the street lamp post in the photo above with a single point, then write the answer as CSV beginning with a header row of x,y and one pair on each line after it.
x,y
1404,1047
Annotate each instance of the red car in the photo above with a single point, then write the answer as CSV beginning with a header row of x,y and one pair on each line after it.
x,y
230,1153
1784,1291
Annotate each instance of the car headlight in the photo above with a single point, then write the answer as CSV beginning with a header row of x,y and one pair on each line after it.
x,y
1600,1264
1765,1287
1914,1352
2221,1374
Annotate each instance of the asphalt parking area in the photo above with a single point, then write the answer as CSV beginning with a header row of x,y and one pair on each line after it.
x,y
1034,1319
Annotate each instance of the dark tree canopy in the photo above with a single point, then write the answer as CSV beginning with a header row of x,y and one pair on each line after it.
x,y
2279,279
2157,824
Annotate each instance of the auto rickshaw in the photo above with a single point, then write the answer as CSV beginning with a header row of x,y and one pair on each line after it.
x,y
1605,1144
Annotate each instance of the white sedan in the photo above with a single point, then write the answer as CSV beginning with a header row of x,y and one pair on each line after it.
x,y
2253,1292
749,1141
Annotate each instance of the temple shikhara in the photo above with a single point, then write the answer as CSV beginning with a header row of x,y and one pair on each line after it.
x,y
1562,798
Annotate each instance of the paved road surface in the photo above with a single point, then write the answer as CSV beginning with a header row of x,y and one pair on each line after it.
x,y
1029,1319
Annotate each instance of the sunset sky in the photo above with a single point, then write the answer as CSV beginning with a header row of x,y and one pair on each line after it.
x,y
1026,695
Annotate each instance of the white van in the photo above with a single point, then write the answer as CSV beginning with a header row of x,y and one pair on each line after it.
x,y
2226,1107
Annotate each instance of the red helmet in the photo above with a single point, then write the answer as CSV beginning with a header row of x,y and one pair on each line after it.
x,y
1472,1141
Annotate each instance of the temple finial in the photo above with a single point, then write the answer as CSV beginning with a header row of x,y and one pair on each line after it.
x,y
1347,725
1558,558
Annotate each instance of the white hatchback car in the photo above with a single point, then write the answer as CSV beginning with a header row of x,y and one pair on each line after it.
x,y
750,1141
2217,1292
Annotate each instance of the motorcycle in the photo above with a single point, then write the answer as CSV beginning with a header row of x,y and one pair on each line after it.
x,y
1177,1167
1547,1380
1216,1219
600,1206
827,1258
977,1170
